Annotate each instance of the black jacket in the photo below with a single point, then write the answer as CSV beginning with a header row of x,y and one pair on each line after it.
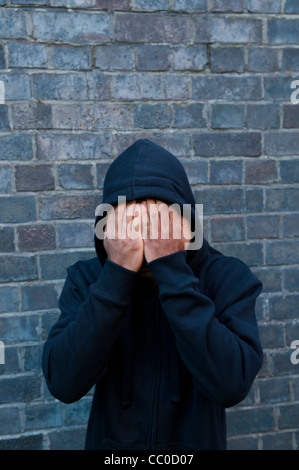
x,y
166,359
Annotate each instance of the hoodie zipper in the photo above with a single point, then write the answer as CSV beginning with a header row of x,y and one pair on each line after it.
x,y
154,409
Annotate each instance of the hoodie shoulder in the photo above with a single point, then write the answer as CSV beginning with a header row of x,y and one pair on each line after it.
x,y
85,272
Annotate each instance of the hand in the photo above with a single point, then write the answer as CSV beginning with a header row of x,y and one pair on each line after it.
x,y
162,230
124,244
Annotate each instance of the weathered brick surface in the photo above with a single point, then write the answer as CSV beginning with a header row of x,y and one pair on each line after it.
x,y
210,81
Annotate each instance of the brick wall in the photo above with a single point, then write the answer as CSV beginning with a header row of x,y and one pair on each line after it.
x,y
210,81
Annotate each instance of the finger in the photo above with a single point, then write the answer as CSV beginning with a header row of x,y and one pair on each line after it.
x,y
136,223
119,216
154,219
145,222
128,218
164,220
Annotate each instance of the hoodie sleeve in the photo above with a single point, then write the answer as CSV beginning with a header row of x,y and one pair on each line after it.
x,y
76,352
220,347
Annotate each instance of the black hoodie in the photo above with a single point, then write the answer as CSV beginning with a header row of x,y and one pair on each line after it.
x,y
165,359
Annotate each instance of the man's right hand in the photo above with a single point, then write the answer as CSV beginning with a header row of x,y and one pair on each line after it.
x,y
123,242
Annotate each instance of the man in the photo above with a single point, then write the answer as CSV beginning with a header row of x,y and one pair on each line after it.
x,y
167,334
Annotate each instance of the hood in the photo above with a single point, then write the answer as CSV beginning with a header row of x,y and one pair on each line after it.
x,y
146,170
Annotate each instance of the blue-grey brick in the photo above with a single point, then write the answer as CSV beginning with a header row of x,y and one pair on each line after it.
x,y
10,420
271,336
16,147
254,200
263,226
71,58
278,87
43,415
32,357
17,86
99,85
274,390
227,59
188,115
144,5
224,87
152,57
75,235
30,2
67,439
17,268
260,172
61,206
242,443
34,442
227,5
9,299
278,441
283,31
20,389
288,416
228,116
214,28
290,225
36,297
133,86
19,328
73,116
290,59
147,116
54,266
27,55
250,421
291,6
152,28
263,6
52,146
282,252
281,143
262,59
101,173
113,57
36,237
227,228
2,58
4,119
11,358
190,5
226,171
291,116
34,178
75,176
220,201
197,171
17,209
65,86
227,144
190,58
5,178
13,23
77,413
71,26
281,363
32,115
73,3
271,278
263,116
250,253
291,278
282,199
6,240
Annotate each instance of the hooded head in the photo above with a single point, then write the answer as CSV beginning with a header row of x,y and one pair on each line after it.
x,y
146,170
